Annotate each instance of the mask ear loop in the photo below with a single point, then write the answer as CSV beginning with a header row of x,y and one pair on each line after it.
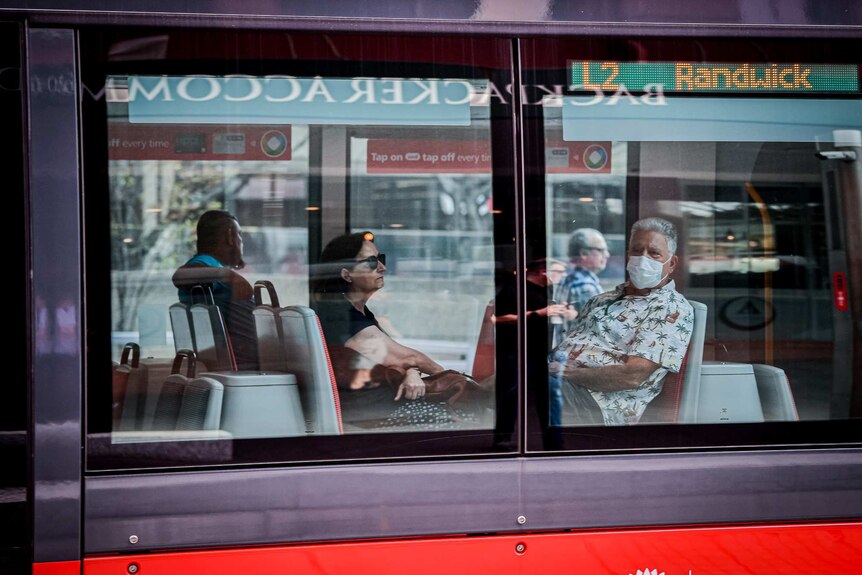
x,y
668,273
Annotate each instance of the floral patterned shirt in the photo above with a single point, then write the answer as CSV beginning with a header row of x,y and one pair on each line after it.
x,y
614,326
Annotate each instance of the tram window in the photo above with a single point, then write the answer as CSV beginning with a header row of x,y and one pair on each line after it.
x,y
302,196
763,217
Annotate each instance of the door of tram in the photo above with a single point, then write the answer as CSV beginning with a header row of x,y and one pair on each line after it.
x,y
842,192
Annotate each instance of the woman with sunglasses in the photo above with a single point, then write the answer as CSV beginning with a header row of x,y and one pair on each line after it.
x,y
364,357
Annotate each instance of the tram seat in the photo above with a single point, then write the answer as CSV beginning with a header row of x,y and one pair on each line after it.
x,y
678,400
201,406
201,328
186,402
141,378
308,358
776,397
270,348
290,340
181,326
127,388
483,360
211,337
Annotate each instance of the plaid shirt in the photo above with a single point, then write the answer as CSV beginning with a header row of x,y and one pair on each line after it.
x,y
576,289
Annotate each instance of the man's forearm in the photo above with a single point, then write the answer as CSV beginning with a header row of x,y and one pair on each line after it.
x,y
610,378
191,275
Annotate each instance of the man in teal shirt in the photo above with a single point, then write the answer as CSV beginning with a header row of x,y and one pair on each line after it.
x,y
219,255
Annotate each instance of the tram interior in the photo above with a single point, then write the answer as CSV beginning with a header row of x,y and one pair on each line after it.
x,y
759,243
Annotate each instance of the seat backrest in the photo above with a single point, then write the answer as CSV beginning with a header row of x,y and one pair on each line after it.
x,y
268,328
199,326
168,405
776,397
211,337
129,389
181,326
690,395
677,402
484,358
307,358
201,405
164,398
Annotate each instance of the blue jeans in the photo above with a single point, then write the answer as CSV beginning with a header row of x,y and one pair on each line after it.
x,y
555,400
555,390
582,408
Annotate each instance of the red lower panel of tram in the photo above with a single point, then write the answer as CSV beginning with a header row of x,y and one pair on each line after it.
x,y
767,550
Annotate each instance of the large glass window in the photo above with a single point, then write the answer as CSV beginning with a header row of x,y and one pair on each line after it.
x,y
295,238
293,251
729,306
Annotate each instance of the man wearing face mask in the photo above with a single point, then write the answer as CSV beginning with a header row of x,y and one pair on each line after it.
x,y
612,363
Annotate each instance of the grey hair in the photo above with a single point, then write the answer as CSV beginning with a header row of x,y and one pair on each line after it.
x,y
659,225
580,239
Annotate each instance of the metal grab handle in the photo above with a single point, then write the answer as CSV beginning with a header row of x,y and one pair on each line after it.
x,y
190,357
135,351
206,292
259,286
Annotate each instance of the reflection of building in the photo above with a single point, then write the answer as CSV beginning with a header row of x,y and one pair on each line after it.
x,y
731,238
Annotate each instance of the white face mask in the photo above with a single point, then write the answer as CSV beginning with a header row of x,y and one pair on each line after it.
x,y
645,272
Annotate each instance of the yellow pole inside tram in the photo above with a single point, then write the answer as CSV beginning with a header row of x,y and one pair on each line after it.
x,y
768,248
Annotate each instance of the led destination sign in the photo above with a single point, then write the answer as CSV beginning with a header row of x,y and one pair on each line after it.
x,y
688,77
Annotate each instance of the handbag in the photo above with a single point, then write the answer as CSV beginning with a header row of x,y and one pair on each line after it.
x,y
453,387
449,386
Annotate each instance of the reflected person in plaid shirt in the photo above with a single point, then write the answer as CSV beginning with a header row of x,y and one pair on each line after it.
x,y
588,254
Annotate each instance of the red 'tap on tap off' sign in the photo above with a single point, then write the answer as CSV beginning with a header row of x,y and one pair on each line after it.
x,y
429,156
474,157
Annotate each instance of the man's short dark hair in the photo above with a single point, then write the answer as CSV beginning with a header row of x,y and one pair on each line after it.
x,y
210,227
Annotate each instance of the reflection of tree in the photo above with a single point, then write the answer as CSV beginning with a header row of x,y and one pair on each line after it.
x,y
153,218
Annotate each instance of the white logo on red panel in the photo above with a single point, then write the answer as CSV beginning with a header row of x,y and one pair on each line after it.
x,y
595,158
273,143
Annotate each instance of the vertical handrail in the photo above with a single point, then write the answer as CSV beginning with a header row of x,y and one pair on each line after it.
x,y
768,248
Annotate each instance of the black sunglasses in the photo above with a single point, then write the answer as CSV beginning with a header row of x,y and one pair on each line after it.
x,y
371,261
